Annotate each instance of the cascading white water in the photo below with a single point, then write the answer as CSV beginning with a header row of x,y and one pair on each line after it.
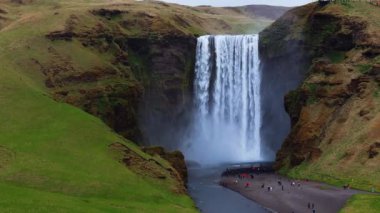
x,y
227,117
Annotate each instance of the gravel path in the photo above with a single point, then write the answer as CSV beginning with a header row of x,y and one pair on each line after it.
x,y
290,198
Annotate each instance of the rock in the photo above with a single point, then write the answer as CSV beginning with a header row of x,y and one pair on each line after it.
x,y
314,154
372,52
22,1
60,35
148,167
176,159
363,112
107,13
359,85
373,150
375,70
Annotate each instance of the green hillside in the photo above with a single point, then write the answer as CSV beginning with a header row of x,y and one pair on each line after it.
x,y
55,157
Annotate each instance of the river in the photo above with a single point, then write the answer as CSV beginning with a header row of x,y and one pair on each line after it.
x,y
210,197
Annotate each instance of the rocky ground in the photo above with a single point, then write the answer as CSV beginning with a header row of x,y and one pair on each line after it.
x,y
300,197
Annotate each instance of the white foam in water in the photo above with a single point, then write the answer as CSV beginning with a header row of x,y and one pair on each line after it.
x,y
227,117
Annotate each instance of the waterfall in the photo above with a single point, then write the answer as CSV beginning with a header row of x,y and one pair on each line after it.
x,y
227,116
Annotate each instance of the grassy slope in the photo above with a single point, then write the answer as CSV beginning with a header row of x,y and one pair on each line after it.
x,y
362,204
54,157
333,167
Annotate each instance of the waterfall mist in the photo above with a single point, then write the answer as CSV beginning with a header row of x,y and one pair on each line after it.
x,y
227,118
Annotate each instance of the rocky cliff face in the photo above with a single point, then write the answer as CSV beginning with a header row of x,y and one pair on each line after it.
x,y
143,81
144,70
334,112
285,59
129,63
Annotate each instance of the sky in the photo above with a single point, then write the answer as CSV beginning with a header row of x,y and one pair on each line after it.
x,y
240,2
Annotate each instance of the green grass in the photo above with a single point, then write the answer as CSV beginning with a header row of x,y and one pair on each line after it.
x,y
363,203
313,172
364,68
312,93
59,157
336,56
55,157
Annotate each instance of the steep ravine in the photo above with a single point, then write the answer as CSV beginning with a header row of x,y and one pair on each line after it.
x,y
129,63
142,82
327,61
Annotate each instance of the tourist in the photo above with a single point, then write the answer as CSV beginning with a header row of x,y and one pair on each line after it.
x,y
282,187
308,205
263,185
312,205
247,184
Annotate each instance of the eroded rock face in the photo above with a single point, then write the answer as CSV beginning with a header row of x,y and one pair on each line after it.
x,y
146,70
285,60
176,159
151,167
335,109
374,150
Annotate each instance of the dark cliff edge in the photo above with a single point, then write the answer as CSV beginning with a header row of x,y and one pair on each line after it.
x,y
326,61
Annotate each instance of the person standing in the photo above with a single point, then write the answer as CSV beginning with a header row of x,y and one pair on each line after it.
x,y
247,184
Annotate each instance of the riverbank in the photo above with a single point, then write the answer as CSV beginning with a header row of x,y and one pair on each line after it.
x,y
210,197
282,194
